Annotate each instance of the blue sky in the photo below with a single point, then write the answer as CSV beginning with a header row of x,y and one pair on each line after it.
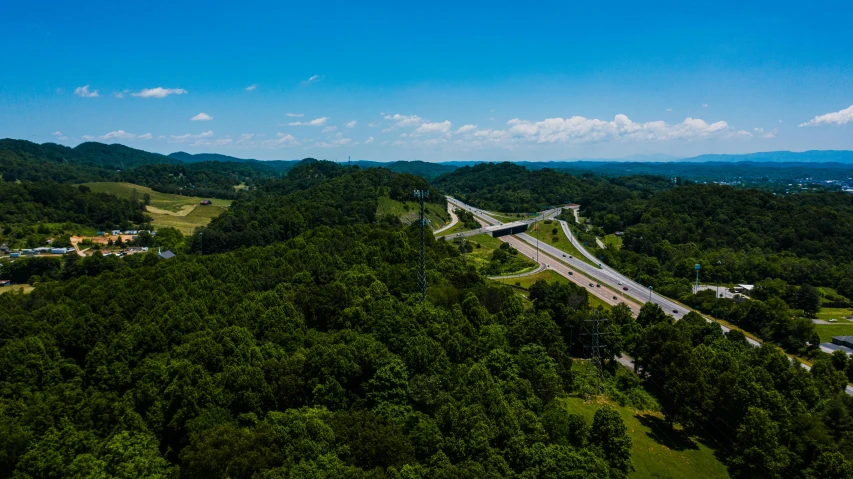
x,y
430,81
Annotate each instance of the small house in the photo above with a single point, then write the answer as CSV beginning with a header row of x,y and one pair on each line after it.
x,y
15,254
167,255
116,232
5,282
205,202
27,252
4,248
59,250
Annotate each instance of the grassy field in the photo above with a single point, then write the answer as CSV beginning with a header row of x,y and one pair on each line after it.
x,y
657,451
549,276
827,331
437,216
482,256
546,235
834,313
16,287
615,241
181,212
509,217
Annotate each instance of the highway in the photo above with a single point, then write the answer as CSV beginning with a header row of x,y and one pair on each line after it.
x,y
608,277
453,220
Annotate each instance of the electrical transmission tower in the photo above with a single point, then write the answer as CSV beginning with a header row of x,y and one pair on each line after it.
x,y
421,196
594,383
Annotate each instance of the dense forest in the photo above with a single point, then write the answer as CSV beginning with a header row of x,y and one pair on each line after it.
x,y
314,193
89,162
32,203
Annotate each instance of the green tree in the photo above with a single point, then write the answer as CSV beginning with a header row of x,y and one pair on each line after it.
x,y
609,434
757,452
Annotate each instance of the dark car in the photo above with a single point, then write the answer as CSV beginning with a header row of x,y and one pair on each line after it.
x,y
624,288
564,256
570,273
675,311
597,285
590,285
614,297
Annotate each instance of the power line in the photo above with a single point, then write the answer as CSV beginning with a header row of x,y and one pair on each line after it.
x,y
421,195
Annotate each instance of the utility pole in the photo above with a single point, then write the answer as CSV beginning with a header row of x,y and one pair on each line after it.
x,y
595,380
717,295
421,195
696,290
201,243
650,294
537,236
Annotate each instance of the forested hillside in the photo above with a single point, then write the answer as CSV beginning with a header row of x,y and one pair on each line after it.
x,y
314,193
90,162
296,346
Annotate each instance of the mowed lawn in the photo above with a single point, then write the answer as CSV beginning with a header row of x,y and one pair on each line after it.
x,y
827,331
613,240
483,255
182,212
546,234
657,451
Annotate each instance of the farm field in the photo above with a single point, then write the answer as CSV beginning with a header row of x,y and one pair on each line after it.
x,y
182,212
657,451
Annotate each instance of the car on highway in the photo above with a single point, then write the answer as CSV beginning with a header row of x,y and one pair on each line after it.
x,y
624,288
597,285
675,311
614,297
570,273
590,285
564,256
620,283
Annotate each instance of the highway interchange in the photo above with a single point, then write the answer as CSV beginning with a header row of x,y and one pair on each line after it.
x,y
612,282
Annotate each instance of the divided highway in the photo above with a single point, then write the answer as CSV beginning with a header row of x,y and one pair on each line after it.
x,y
605,275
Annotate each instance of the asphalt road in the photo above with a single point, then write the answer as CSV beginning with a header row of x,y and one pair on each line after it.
x,y
608,277
453,220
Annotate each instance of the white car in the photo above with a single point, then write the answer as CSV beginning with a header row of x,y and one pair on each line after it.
x,y
620,283
833,320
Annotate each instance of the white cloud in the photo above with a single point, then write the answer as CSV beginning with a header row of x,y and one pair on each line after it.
x,y
835,118
466,129
704,105
146,136
159,92
328,129
339,140
251,87
403,120
295,115
191,137
368,140
120,94
201,117
59,136
351,124
440,127
313,79
669,109
315,122
373,125
759,132
83,91
113,135
578,129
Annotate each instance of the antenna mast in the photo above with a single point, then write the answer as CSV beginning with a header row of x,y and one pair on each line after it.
x,y
421,195
595,379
